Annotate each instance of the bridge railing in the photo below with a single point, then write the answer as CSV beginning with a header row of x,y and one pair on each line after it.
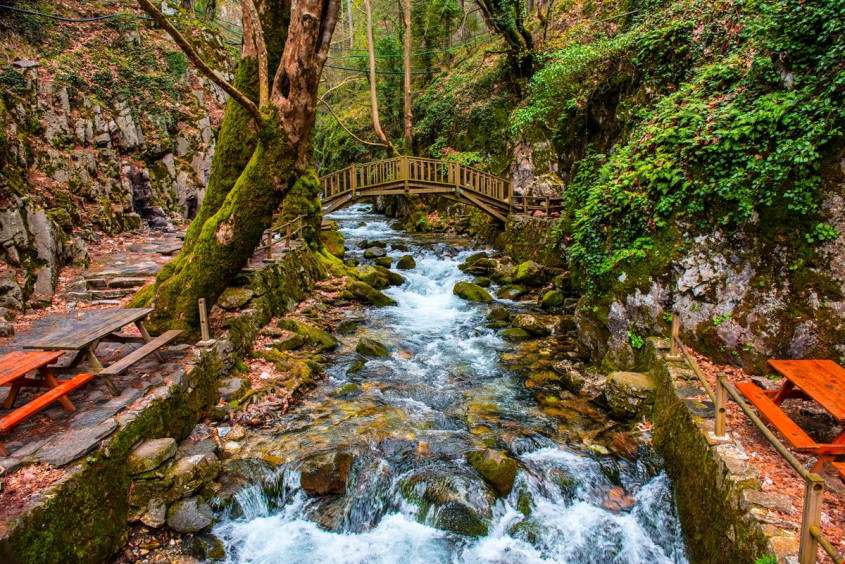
x,y
415,172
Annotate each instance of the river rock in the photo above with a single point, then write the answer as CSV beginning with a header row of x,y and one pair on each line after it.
x,y
234,298
481,267
407,262
233,388
375,252
499,314
373,276
290,343
552,299
386,262
313,335
532,324
511,292
393,278
371,347
514,334
346,327
452,499
325,474
190,473
571,378
482,281
528,273
497,469
150,454
472,292
367,293
190,515
628,394
371,244
207,548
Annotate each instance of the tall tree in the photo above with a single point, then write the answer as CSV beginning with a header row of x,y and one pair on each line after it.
x,y
507,18
409,132
230,223
373,94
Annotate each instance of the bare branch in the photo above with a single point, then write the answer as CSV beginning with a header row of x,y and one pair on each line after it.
x,y
342,83
346,129
201,65
252,26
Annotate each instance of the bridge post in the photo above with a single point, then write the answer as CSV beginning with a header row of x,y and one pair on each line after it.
x,y
406,172
354,183
457,169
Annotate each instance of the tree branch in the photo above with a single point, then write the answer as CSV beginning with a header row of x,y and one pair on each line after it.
x,y
252,23
194,57
346,129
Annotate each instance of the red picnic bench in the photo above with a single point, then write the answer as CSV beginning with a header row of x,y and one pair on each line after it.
x,y
14,368
822,381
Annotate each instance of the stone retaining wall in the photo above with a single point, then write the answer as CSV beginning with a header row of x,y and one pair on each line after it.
x,y
83,517
724,514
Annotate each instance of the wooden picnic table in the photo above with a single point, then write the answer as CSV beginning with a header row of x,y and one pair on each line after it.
x,y
98,326
14,368
821,381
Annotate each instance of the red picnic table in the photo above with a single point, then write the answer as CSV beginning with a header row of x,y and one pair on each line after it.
x,y
14,368
821,381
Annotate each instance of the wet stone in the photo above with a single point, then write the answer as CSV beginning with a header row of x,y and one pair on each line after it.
x,y
326,473
374,252
406,262
190,515
371,347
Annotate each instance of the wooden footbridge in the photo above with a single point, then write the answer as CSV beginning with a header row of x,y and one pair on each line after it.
x,y
415,175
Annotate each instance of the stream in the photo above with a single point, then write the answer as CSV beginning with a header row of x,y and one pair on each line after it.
x,y
450,385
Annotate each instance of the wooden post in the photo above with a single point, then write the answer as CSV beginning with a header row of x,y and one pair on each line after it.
x,y
676,332
721,405
205,334
287,236
406,172
299,228
457,178
510,197
547,207
812,516
269,243
524,203
354,183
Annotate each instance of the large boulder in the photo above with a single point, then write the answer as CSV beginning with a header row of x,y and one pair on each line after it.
x,y
452,499
472,292
386,262
552,299
528,273
497,469
628,394
373,276
190,515
393,278
375,252
150,454
371,347
234,298
325,474
407,262
367,293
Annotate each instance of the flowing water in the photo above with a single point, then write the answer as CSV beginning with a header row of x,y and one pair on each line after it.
x,y
450,385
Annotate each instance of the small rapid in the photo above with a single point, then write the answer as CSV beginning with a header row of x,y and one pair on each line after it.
x,y
412,417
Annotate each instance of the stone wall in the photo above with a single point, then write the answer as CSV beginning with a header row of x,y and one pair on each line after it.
x,y
83,517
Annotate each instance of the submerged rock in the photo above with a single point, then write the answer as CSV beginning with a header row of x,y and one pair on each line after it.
x,y
367,293
472,292
497,469
371,347
190,515
325,474
452,499
511,292
407,262
628,394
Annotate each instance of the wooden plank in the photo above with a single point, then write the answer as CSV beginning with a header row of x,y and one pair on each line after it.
x,y
775,415
44,400
822,380
139,354
839,467
17,363
89,329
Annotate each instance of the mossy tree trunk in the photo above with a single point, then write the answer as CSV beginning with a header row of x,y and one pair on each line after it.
x,y
225,234
507,19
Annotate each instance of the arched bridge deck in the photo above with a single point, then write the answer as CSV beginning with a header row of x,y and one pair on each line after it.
x,y
414,175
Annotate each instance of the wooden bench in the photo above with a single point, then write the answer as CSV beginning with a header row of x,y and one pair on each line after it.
x,y
140,353
839,467
796,437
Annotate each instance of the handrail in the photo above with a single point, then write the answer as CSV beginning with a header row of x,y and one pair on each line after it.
x,y
811,535
269,233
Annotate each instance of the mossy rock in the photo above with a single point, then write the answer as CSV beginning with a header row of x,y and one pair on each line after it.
x,y
374,252
371,347
347,326
234,298
372,244
333,242
373,276
531,323
499,314
514,334
496,324
316,336
511,292
149,455
628,394
528,273
393,278
481,267
407,262
497,469
472,292
365,292
290,343
482,281
357,366
347,390
552,299
386,262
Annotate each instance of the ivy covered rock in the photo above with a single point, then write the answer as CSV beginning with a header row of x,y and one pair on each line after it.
x,y
472,292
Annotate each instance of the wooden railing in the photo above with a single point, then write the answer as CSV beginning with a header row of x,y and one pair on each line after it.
x,y
811,537
271,239
418,175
